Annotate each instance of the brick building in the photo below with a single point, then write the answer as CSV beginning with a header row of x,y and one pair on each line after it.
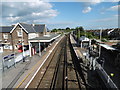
x,y
13,36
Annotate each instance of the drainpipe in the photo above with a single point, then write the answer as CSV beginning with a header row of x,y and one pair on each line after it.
x,y
39,49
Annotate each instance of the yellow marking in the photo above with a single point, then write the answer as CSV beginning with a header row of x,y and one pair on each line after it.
x,y
79,53
27,75
31,71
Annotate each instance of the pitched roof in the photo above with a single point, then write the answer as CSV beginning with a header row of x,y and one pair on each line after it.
x,y
39,27
6,29
28,27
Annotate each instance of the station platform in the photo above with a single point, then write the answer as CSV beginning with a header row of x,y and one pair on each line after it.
x,y
81,53
19,76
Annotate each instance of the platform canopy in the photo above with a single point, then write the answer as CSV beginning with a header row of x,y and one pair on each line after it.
x,y
45,38
107,47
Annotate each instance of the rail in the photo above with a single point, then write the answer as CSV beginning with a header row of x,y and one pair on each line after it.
x,y
77,59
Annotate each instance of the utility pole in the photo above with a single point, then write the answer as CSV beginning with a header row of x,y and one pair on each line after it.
x,y
78,35
100,42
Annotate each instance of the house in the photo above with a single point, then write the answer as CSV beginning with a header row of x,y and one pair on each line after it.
x,y
84,41
5,38
14,36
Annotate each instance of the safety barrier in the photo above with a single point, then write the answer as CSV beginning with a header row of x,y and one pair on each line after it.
x,y
106,78
8,61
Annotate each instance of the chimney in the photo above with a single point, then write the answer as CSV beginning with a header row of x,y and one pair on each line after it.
x,y
33,24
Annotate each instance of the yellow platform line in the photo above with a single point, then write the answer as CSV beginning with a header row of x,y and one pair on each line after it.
x,y
31,70
27,75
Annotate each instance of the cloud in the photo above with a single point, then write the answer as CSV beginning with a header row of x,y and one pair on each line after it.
x,y
87,9
13,12
114,8
115,18
47,13
95,1
90,3
117,15
12,19
115,0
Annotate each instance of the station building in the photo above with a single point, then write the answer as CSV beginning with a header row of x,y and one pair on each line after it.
x,y
15,36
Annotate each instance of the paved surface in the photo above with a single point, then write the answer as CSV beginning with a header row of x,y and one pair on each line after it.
x,y
5,53
10,76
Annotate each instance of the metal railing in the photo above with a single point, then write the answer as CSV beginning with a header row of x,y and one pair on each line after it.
x,y
8,61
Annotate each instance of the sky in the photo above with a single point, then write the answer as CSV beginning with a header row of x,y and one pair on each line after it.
x,y
90,15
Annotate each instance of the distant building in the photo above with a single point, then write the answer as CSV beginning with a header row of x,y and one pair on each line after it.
x,y
113,33
84,42
5,38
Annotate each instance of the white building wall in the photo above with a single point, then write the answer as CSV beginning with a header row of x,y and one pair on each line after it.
x,y
32,35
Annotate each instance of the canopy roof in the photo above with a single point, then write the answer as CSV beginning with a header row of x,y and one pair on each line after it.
x,y
45,38
107,47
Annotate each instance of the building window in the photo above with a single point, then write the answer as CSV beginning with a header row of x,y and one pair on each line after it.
x,y
7,47
5,36
19,34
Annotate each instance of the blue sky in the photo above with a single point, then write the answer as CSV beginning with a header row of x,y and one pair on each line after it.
x,y
71,15
62,14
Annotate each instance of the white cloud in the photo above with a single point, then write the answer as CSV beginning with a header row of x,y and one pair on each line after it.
x,y
105,19
115,0
12,19
117,15
87,9
114,8
13,12
96,1
89,3
49,13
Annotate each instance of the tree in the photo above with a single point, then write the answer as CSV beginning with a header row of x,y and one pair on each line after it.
x,y
67,28
81,29
54,30
78,33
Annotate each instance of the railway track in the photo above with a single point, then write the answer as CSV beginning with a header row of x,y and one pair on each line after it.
x,y
57,75
51,75
54,70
